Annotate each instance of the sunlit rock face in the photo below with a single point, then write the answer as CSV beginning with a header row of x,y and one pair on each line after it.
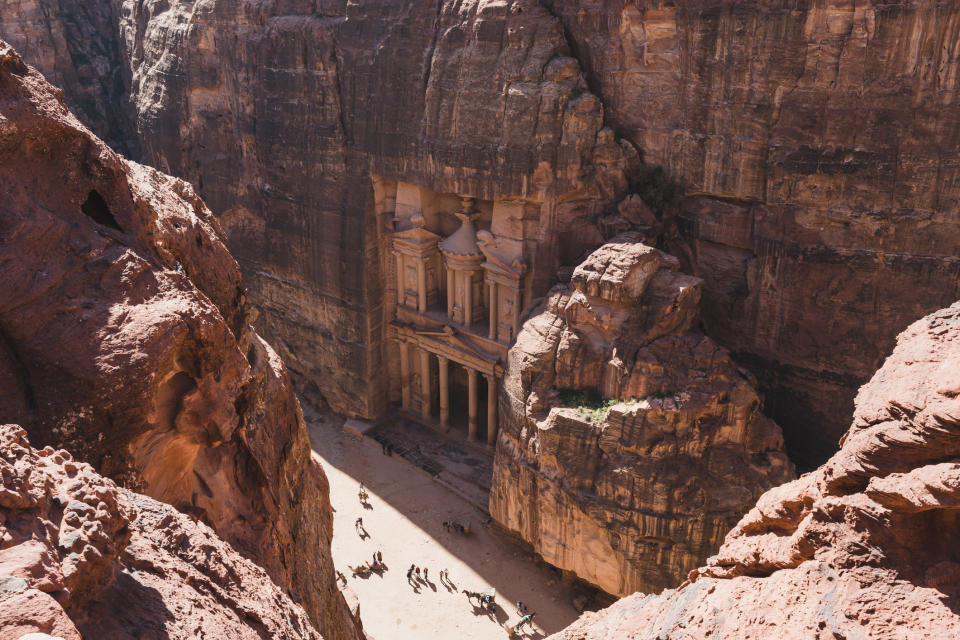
x,y
816,143
83,558
125,338
630,443
865,546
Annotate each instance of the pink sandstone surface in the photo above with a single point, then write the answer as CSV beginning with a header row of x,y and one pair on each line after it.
x,y
635,488
863,547
125,338
81,557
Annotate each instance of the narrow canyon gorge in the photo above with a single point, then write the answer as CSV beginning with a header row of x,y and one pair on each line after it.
x,y
617,275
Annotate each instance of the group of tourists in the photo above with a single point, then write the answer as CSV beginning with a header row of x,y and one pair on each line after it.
x,y
417,574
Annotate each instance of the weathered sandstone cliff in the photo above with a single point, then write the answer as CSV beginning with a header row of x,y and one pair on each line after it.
x,y
125,339
82,557
819,145
816,142
630,443
863,547
284,114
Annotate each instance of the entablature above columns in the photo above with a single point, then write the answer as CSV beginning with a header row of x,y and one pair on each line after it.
x,y
445,342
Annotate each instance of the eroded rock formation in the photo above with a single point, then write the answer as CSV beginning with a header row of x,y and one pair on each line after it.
x,y
125,339
865,546
82,557
630,443
816,142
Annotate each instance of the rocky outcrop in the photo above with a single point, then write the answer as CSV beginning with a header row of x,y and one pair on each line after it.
x,y
125,339
267,109
82,557
630,443
865,546
818,145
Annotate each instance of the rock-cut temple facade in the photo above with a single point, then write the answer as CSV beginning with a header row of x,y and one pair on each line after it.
x,y
460,278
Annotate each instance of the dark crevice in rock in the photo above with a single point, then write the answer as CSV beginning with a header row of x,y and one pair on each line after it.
x,y
96,208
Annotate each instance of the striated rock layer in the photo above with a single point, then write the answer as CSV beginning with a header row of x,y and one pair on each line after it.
x,y
630,443
82,557
863,547
125,339
816,143
284,115
819,145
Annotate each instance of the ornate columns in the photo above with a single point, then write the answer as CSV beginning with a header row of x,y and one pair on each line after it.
x,y
451,290
421,288
425,383
401,293
493,310
444,393
404,374
472,405
491,409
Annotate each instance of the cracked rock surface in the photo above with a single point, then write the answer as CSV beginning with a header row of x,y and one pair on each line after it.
x,y
863,547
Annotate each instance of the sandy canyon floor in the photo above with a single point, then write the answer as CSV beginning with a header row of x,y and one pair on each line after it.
x,y
404,522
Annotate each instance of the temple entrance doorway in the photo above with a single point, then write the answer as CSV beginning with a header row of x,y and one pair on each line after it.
x,y
460,402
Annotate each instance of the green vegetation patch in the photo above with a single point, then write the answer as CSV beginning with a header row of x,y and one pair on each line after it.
x,y
590,405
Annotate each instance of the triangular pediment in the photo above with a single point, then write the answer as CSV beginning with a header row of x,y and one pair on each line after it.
x,y
452,341
417,236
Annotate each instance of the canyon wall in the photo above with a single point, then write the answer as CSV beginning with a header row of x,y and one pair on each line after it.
x,y
863,547
125,338
283,114
818,144
83,558
815,145
630,443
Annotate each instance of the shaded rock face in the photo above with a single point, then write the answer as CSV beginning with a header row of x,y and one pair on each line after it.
x,y
817,143
821,141
632,492
865,546
282,115
125,339
82,557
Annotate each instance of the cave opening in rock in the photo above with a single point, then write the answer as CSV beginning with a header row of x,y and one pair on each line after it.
x,y
96,208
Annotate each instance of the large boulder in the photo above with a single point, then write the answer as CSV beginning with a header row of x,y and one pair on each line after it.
x,y
630,443
863,547
125,339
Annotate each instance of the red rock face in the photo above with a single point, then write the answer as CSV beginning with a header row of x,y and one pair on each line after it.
x,y
865,546
82,557
125,339
819,143
637,487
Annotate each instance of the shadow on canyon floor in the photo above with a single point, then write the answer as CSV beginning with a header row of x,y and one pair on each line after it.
x,y
406,521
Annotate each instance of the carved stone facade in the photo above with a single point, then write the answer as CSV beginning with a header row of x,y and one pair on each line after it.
x,y
460,282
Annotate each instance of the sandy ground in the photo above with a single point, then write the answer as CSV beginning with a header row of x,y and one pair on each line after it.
x,y
404,522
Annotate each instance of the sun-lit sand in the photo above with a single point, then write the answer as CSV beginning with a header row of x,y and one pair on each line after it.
x,y
404,521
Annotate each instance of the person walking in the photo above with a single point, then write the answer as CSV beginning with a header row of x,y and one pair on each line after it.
x,y
417,570
425,570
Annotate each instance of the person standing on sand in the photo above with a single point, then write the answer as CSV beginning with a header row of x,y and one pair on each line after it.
x,y
425,570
